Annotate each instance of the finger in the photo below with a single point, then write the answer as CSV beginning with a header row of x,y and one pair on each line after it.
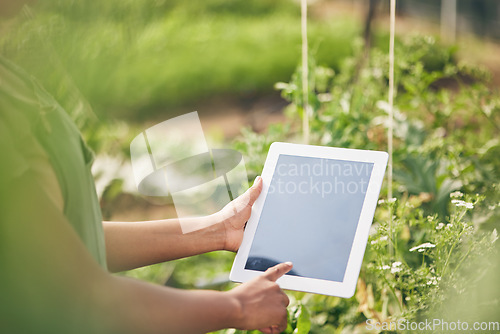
x,y
286,300
255,190
277,271
281,328
274,329
249,196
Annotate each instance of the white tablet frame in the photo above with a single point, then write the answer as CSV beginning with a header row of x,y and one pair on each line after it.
x,y
343,289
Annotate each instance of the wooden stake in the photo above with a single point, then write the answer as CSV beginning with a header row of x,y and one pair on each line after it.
x,y
305,74
391,94
391,121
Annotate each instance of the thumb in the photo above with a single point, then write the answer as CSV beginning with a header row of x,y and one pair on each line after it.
x,y
246,199
277,271
255,190
251,195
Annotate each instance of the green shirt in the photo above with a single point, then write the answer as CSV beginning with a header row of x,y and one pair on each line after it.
x,y
37,134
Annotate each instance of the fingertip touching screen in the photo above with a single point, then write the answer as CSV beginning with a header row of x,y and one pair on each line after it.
x,y
310,216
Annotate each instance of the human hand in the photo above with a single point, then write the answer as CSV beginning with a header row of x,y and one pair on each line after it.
x,y
235,215
262,302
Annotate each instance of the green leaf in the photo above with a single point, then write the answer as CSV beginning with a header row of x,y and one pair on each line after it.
x,y
303,321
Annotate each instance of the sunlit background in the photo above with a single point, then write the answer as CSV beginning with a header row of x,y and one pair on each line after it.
x,y
121,66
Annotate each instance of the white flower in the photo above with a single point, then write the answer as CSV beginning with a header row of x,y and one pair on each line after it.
x,y
285,86
433,280
384,267
396,267
390,200
440,226
422,247
384,238
459,202
456,194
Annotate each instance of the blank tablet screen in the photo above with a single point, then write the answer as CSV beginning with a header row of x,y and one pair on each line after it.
x,y
310,216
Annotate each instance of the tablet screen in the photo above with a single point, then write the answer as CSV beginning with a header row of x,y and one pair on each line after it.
x,y
310,216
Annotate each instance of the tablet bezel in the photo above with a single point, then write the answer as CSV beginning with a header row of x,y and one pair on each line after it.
x,y
347,287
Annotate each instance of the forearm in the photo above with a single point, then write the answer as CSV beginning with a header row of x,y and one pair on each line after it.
x,y
149,309
131,245
134,244
50,282
139,307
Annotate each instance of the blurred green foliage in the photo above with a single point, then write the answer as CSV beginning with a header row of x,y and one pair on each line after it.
x,y
139,58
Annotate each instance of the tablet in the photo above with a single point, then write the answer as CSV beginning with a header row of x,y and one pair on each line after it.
x,y
315,210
